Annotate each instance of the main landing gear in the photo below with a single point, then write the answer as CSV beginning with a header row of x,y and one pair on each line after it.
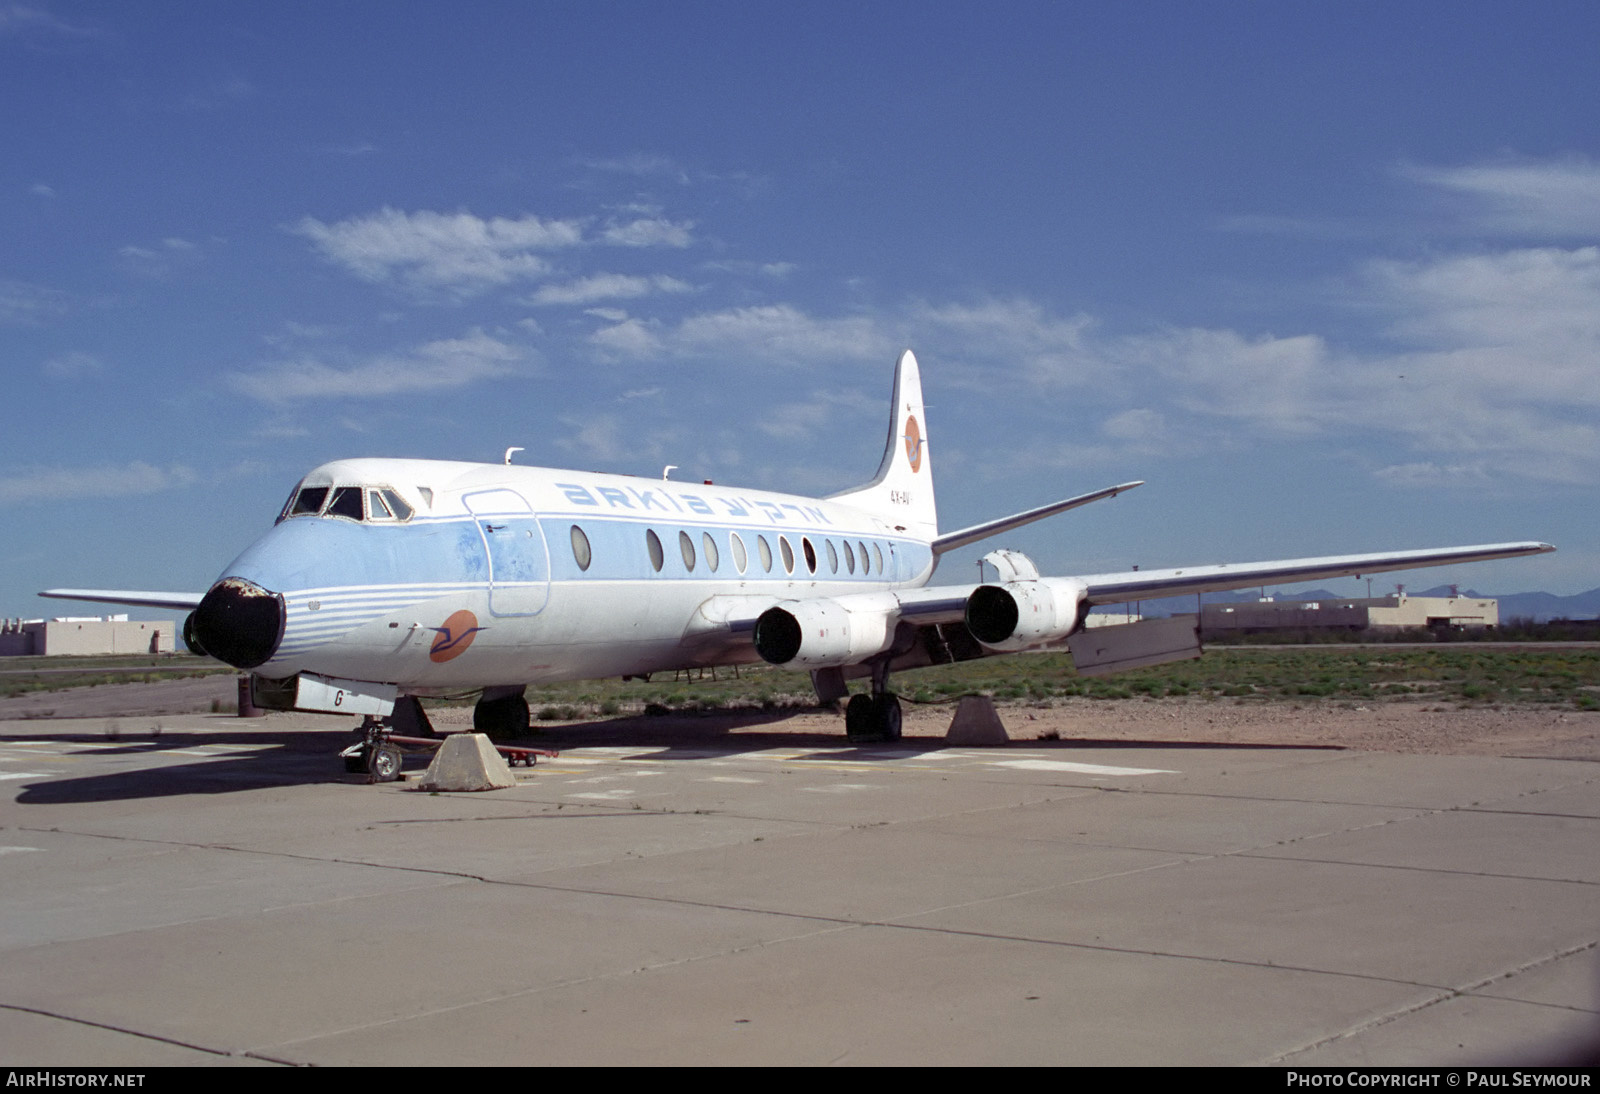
x,y
502,712
874,717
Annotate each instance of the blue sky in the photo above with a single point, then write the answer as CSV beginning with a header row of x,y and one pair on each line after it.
x,y
1326,275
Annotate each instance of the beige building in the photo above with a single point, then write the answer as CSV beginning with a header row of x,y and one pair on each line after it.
x,y
85,635
1356,614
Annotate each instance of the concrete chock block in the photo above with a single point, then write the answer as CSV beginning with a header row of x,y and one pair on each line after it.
x,y
977,723
467,761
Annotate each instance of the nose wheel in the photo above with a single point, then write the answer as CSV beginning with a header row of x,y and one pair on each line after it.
x,y
375,754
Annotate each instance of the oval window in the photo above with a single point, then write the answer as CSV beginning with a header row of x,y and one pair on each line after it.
x,y
652,543
833,556
849,557
580,548
866,562
788,554
810,553
765,552
740,559
709,547
686,547
877,558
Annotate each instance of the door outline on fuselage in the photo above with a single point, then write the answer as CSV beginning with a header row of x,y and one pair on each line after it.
x,y
519,582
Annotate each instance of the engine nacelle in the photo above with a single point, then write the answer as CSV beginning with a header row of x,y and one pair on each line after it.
x,y
1021,614
819,634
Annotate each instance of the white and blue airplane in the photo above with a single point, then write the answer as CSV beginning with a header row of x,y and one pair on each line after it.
x,y
387,579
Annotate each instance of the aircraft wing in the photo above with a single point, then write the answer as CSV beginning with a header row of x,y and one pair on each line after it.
x,y
178,601
846,631
1148,584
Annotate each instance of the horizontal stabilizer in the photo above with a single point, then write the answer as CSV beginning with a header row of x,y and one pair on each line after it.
x,y
1149,584
952,540
178,601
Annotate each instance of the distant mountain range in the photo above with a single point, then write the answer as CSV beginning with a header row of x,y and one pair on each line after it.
x,y
1540,607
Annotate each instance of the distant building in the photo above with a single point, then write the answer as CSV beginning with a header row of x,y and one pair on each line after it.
x,y
83,635
1356,614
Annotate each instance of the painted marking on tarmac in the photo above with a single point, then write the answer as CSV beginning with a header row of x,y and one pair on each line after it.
x,y
841,788
605,795
14,850
4,775
1078,769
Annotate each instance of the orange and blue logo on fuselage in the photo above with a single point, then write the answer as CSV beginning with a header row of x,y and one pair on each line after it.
x,y
454,636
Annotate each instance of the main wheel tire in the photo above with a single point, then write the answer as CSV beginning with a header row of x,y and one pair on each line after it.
x,y
503,717
886,711
860,724
383,763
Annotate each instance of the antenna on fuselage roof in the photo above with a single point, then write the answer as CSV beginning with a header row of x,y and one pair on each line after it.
x,y
667,470
508,454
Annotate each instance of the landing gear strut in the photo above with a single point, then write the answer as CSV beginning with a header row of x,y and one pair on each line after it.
x,y
874,717
375,755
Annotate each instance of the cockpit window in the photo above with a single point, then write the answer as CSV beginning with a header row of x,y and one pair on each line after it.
x,y
309,500
376,504
397,504
346,503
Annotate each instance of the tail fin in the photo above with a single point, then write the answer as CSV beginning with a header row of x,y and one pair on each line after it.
x,y
901,494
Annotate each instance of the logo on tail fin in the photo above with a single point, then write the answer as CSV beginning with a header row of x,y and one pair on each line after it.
x,y
913,443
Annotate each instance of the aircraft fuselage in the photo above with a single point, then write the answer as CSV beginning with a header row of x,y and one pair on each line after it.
x,y
504,573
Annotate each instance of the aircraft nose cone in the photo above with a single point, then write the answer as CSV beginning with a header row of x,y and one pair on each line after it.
x,y
239,622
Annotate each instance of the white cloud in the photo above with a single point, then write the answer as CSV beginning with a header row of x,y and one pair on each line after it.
x,y
107,481
453,252
648,232
599,438
781,332
1553,197
73,366
450,363
25,305
587,290
42,190
20,18
632,338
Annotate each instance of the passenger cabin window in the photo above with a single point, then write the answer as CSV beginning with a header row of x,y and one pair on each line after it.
x,y
709,549
810,553
580,548
686,547
849,557
765,552
788,554
740,559
833,556
652,543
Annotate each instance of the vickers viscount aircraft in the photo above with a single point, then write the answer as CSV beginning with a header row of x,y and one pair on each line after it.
x,y
388,579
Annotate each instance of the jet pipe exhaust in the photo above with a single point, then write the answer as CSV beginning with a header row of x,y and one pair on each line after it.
x,y
816,634
1022,614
